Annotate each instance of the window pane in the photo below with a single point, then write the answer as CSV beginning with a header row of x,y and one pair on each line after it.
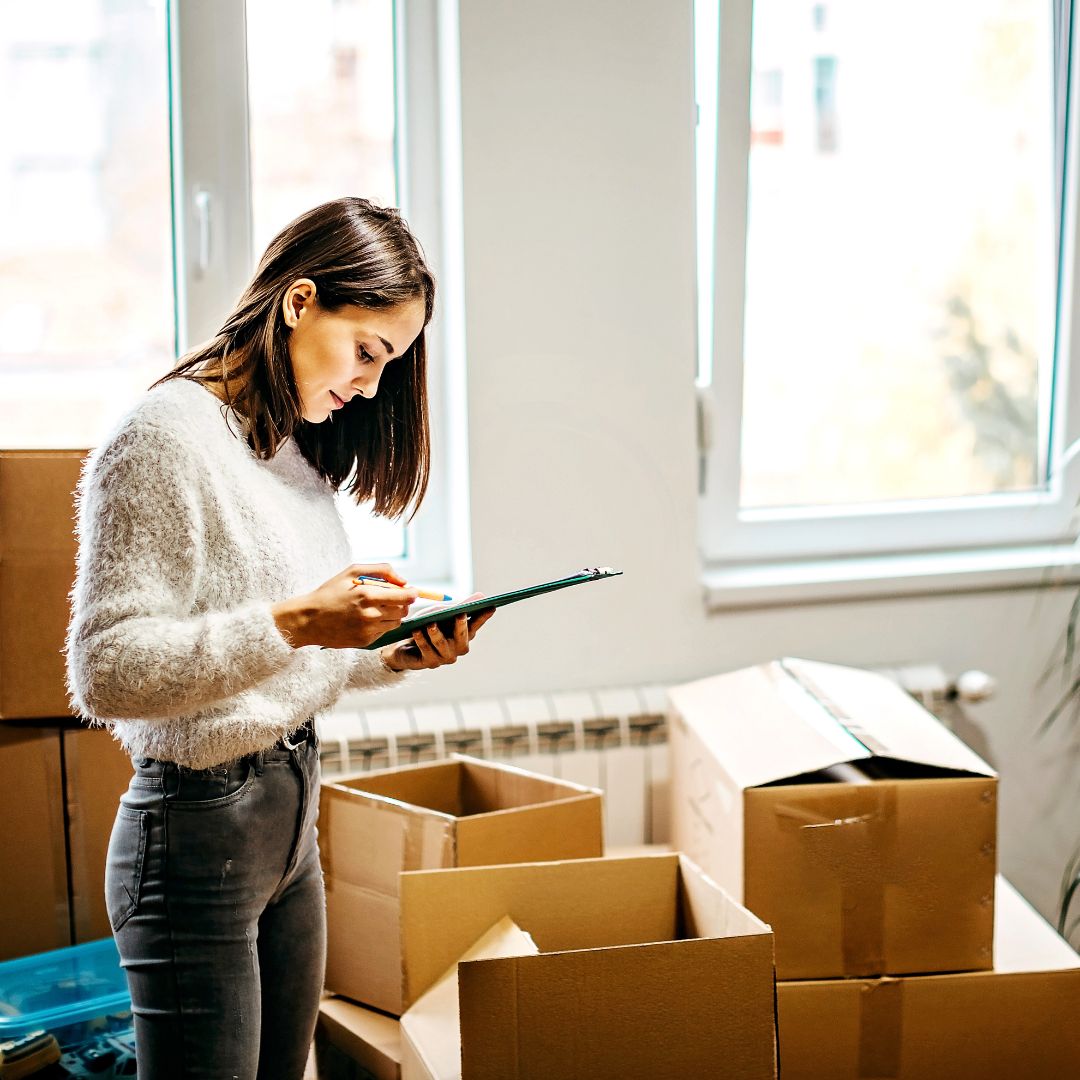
x,y
86,295
900,253
321,101
321,107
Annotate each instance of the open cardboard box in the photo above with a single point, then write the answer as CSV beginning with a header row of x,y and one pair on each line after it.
x,y
643,967
459,812
1017,1021
37,569
888,875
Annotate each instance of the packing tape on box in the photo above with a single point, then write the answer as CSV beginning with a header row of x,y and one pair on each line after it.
x,y
428,843
881,1028
856,846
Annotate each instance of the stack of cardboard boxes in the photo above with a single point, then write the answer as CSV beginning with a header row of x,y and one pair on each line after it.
x,y
848,818
60,782
836,809
472,900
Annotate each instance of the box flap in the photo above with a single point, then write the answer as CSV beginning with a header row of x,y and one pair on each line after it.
x,y
706,910
430,787
431,1027
1023,939
885,718
789,717
541,832
460,787
368,1037
361,956
577,904
368,840
495,787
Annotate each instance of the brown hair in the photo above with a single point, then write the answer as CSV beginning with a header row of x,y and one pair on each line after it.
x,y
359,254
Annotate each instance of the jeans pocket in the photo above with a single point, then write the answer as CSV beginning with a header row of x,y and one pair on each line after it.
x,y
124,864
210,789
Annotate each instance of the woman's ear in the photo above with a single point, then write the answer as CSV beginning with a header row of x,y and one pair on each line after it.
x,y
299,297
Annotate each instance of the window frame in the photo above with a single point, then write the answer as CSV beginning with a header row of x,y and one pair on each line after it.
x,y
730,536
212,213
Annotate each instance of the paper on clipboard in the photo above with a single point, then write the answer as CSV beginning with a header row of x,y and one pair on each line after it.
x,y
447,612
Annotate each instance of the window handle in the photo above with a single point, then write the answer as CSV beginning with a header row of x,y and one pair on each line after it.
x,y
705,433
202,223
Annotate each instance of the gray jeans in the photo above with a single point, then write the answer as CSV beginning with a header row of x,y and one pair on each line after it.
x,y
215,895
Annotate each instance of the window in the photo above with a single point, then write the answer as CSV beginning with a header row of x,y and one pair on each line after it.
x,y
86,291
157,148
883,245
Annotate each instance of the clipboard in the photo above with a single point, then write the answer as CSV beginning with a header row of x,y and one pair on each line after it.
x,y
446,613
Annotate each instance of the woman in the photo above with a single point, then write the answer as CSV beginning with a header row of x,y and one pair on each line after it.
x,y
212,566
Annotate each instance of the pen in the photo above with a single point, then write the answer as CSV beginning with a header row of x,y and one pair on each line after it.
x,y
425,594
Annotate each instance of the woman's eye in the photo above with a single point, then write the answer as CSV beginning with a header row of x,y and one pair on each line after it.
x,y
365,356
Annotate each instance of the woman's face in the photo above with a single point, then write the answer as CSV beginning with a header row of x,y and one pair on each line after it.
x,y
338,354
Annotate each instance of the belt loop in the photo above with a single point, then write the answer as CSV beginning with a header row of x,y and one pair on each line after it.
x,y
301,736
257,760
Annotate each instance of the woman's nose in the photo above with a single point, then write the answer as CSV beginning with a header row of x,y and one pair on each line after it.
x,y
371,385
369,388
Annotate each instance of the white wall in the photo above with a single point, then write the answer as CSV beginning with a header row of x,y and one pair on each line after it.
x,y
579,260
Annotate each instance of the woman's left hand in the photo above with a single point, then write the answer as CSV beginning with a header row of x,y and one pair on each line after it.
x,y
431,648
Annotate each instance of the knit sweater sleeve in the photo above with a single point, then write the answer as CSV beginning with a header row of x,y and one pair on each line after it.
x,y
368,672
137,647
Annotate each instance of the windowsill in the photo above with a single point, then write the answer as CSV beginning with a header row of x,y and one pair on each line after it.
x,y
884,576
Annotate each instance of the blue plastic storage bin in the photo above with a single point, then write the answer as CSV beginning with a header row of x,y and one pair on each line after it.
x,y
77,994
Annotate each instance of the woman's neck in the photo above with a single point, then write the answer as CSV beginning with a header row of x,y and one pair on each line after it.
x,y
224,385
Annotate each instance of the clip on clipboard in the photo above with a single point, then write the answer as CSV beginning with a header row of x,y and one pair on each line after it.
x,y
447,613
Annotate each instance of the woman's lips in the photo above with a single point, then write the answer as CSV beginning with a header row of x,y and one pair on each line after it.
x,y
337,401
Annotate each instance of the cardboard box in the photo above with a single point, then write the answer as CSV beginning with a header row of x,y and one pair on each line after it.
x,y
59,789
459,812
886,876
353,1042
34,911
1016,1021
37,570
645,968
97,771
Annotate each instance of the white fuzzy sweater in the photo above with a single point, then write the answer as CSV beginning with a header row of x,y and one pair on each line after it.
x,y
186,539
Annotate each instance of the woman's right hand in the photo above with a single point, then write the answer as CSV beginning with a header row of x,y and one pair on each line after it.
x,y
341,614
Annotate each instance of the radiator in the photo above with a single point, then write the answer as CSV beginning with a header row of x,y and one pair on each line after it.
x,y
614,739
